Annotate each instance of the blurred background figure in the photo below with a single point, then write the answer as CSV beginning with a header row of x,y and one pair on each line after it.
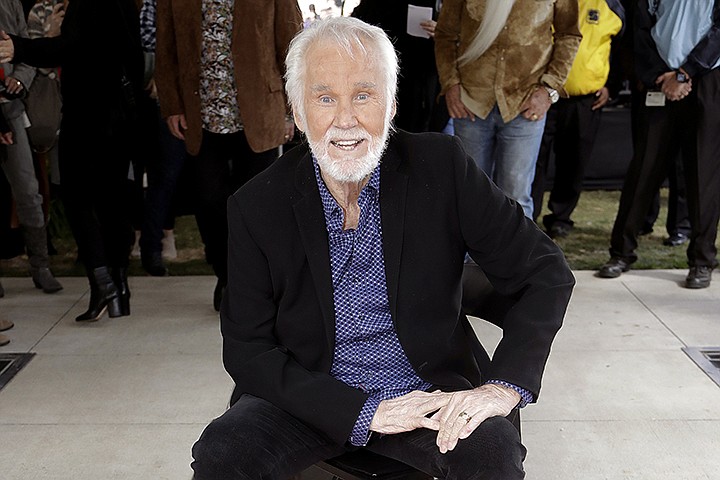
x,y
16,156
418,84
220,86
101,59
501,66
573,122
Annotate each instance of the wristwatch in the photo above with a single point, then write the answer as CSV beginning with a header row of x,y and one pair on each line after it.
x,y
681,77
552,93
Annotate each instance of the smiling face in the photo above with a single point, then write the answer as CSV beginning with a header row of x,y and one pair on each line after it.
x,y
346,115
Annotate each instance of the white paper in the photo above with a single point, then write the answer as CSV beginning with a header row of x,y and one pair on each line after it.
x,y
415,16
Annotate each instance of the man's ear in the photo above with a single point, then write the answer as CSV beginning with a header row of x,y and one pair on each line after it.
x,y
298,121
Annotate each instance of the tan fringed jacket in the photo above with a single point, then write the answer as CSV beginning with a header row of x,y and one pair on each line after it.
x,y
536,46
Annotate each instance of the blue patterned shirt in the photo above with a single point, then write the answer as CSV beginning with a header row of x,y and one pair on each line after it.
x,y
368,355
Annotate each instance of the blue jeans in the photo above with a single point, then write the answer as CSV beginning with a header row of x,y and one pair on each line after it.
x,y
506,152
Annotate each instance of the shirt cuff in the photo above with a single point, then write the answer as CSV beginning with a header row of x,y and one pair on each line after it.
x,y
360,434
525,396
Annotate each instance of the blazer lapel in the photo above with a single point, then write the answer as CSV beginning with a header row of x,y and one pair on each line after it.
x,y
393,194
313,232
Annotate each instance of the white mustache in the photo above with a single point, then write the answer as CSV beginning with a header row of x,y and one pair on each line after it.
x,y
335,134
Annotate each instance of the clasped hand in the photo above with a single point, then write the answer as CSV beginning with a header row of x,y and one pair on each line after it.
x,y
454,415
671,88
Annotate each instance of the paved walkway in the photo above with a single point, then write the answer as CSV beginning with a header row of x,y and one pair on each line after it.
x,y
126,398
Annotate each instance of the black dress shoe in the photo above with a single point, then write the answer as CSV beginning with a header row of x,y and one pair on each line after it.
x,y
153,264
675,239
698,277
613,268
559,230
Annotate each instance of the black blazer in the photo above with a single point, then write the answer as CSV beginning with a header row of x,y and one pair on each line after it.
x,y
278,319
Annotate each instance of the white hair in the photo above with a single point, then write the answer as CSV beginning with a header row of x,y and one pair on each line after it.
x,y
494,19
352,35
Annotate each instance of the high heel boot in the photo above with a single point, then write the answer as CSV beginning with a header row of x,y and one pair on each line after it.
x,y
119,276
103,296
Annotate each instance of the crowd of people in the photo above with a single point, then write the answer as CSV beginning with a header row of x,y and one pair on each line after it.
x,y
216,87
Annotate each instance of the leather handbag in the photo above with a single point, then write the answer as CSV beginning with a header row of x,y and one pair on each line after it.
x,y
43,106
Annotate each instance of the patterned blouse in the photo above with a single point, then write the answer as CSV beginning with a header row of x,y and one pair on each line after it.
x,y
218,93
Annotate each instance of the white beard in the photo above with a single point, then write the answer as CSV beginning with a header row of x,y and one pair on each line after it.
x,y
348,169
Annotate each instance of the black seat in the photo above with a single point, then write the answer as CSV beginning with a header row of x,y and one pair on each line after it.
x,y
365,465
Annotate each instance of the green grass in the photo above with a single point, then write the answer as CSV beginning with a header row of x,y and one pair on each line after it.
x,y
586,248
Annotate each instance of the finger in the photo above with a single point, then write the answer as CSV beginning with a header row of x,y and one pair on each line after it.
x,y
4,35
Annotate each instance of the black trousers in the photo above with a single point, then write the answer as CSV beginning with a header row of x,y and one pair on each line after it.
x,y
690,127
570,129
255,439
94,157
225,162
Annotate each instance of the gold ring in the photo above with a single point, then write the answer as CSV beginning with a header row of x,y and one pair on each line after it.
x,y
534,117
465,416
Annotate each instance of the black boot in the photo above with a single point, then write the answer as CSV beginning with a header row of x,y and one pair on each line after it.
x,y
103,296
119,276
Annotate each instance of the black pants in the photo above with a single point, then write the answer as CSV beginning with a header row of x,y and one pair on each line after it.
x,y
571,129
254,439
94,164
690,127
225,162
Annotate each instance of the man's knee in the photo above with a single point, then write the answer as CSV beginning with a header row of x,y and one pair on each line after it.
x,y
493,451
227,449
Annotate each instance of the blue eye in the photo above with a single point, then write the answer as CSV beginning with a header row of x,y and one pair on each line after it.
x,y
325,99
363,96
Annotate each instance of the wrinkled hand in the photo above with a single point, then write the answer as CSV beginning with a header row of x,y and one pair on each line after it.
x,y
429,27
7,48
479,404
671,88
536,105
177,125
56,19
456,108
408,412
13,85
601,98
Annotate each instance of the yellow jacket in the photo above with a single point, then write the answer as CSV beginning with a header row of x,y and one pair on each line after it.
x,y
599,22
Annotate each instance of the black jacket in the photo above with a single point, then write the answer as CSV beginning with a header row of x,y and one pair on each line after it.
x,y
278,320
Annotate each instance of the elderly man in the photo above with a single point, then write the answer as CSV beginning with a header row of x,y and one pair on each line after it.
x,y
342,324
501,65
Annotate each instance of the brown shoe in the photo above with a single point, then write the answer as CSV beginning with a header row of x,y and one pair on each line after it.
x,y
3,340
5,324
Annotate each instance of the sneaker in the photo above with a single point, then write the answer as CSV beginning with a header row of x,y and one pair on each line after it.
x,y
675,240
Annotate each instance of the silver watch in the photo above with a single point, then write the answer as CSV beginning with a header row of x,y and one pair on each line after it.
x,y
553,94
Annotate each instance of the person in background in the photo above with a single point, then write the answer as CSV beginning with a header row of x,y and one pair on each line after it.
x,y
219,81
16,158
418,85
677,59
342,326
97,135
573,122
501,66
